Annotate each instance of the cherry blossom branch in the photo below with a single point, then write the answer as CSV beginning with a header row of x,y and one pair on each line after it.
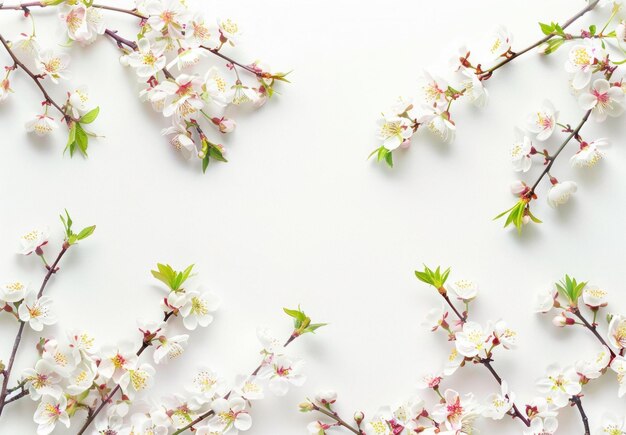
x,y
592,328
487,363
232,61
589,7
552,158
579,405
91,417
36,79
18,338
121,42
339,420
26,6
210,412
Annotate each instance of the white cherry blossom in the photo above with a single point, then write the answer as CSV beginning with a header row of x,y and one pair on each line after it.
x,y
561,192
36,312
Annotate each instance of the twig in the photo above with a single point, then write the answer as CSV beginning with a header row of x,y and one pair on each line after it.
x,y
91,416
583,416
26,6
487,363
18,338
338,419
36,79
234,62
593,329
211,412
589,7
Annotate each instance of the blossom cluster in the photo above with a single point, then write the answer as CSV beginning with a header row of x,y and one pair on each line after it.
x,y
451,412
594,57
170,59
105,389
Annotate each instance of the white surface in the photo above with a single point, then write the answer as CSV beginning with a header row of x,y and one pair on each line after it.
x,y
300,216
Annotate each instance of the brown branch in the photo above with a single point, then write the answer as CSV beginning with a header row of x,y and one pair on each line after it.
x,y
583,416
552,158
592,328
36,78
211,412
91,416
589,7
338,419
487,363
18,338
230,60
26,6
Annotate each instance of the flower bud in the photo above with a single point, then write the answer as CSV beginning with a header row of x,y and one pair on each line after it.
x,y
359,417
561,320
306,407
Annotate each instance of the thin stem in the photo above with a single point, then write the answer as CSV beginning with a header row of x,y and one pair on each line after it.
x,y
25,6
592,328
589,7
583,416
572,134
22,393
234,62
36,79
91,417
461,317
487,363
338,419
18,338
210,412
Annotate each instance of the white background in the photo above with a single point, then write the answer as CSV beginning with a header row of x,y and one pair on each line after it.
x,y
299,216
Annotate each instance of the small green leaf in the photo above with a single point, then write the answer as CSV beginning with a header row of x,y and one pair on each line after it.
x,y
71,140
389,159
86,232
82,140
592,29
216,153
205,163
547,29
90,116
170,277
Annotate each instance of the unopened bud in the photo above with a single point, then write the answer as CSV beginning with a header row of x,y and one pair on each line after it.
x,y
359,417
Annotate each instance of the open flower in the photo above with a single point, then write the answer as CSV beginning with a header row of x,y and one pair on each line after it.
x,y
593,369
471,340
282,372
543,122
590,153
617,332
180,96
198,309
36,312
49,412
82,23
474,88
13,291
393,131
465,290
542,426
612,425
433,88
501,41
580,64
229,30
33,240
436,317
248,387
81,379
521,151
498,404
455,410
116,361
544,300
618,365
504,335
560,193
53,64
438,121
148,59
230,415
181,140
41,125
42,381
594,296
603,99
169,347
62,358
167,16
561,384
136,379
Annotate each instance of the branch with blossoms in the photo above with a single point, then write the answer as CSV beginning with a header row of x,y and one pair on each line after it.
x,y
104,389
170,37
450,413
596,53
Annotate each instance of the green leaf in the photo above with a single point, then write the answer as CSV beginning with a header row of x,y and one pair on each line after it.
x,y
571,289
86,232
592,29
553,45
67,223
205,163
547,29
90,116
389,159
435,278
82,140
170,277
216,153
71,140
